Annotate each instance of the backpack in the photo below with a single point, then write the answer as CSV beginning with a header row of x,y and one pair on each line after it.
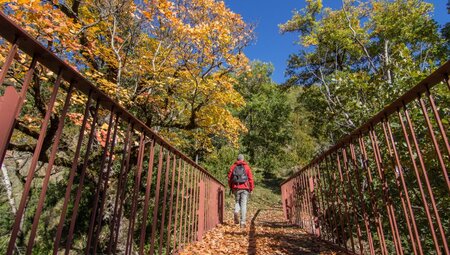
x,y
239,174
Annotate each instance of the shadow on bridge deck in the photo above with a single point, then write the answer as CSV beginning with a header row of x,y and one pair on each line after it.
x,y
267,234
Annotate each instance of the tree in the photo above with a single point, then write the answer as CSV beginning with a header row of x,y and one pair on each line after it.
x,y
359,58
445,31
266,116
170,62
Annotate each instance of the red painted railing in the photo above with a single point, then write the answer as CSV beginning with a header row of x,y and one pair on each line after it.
x,y
384,188
107,184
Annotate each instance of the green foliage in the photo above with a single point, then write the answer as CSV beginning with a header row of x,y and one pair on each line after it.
x,y
445,32
218,163
5,221
279,136
266,116
304,138
360,58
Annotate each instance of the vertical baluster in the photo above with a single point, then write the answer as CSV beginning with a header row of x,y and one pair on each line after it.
x,y
436,146
361,200
125,169
398,170
324,228
346,206
156,205
163,219
169,224
46,180
74,167
82,177
386,197
439,122
180,181
186,198
100,176
416,170
137,184
355,209
147,197
368,174
105,183
195,204
341,226
332,207
37,151
9,59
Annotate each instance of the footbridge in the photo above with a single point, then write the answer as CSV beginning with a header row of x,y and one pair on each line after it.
x,y
94,179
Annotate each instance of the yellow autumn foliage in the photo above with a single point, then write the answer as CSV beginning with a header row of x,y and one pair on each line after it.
x,y
171,63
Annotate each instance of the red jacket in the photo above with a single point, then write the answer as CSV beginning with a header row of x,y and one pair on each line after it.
x,y
249,185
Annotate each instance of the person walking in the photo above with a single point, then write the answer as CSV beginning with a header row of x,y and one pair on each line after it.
x,y
240,180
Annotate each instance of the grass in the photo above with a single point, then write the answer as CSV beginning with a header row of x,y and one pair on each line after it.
x,y
262,197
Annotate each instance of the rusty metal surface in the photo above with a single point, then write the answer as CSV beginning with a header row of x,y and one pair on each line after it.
x,y
113,192
370,191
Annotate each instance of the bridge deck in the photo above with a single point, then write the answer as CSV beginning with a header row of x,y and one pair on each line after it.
x,y
267,233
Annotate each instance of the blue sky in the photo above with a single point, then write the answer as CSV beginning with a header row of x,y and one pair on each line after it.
x,y
270,45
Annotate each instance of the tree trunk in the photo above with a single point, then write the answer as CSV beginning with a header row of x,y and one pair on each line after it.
x,y
9,191
386,62
12,203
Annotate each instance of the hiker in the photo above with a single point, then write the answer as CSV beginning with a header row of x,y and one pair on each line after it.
x,y
240,180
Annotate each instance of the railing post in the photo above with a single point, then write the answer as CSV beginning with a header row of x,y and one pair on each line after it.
x,y
221,199
314,207
9,103
201,210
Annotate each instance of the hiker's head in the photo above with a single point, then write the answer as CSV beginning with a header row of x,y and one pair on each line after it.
x,y
240,157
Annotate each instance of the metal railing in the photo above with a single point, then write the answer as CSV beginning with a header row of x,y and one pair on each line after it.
x,y
384,188
107,184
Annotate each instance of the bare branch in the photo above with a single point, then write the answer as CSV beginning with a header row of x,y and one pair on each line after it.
x,y
355,36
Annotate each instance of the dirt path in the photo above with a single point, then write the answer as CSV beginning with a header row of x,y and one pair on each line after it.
x,y
268,234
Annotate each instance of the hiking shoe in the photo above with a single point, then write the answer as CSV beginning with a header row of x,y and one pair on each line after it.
x,y
236,218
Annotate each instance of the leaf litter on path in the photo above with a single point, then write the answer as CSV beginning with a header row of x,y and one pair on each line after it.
x,y
266,234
